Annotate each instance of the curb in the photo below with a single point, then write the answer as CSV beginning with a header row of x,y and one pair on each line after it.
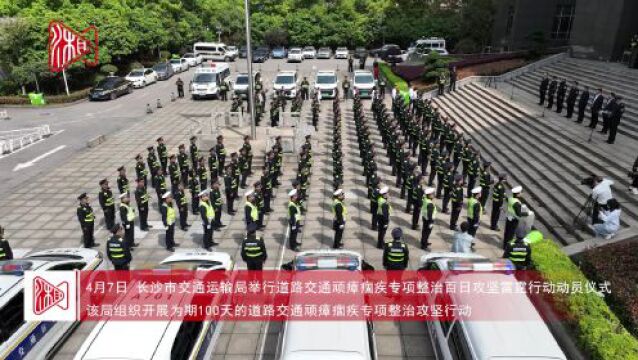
x,y
96,141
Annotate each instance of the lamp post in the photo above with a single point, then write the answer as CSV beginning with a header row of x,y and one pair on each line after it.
x,y
251,83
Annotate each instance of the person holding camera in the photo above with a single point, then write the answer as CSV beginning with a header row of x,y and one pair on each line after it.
x,y
610,220
634,176
600,194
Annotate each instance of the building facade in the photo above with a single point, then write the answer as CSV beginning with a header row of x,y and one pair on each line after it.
x,y
597,29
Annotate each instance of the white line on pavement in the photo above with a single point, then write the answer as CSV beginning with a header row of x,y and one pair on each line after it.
x,y
27,164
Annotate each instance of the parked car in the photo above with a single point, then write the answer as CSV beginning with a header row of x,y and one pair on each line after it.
x,y
279,52
164,70
288,82
207,80
309,52
110,88
324,53
142,77
295,55
213,51
193,60
240,86
261,54
389,53
232,51
341,53
360,52
179,65
326,82
242,52
363,83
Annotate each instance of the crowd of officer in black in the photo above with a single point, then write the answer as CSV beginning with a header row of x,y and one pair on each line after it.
x,y
555,91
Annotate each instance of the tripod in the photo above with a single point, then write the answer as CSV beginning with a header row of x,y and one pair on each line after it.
x,y
585,210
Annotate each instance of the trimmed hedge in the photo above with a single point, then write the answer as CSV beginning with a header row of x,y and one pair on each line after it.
x,y
51,99
395,81
597,329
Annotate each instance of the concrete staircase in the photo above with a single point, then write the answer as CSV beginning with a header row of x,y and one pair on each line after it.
x,y
548,155
610,77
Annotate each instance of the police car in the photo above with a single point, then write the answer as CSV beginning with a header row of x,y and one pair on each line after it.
x,y
288,82
363,83
528,338
160,340
326,82
35,340
207,80
327,340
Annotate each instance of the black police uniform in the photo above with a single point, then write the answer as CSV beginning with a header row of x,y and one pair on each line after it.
x,y
118,252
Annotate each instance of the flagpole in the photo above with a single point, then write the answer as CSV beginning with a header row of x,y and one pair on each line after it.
x,y
66,85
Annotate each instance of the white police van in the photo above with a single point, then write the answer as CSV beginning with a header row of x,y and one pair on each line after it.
x,y
287,81
528,338
327,340
160,340
326,82
208,79
363,83
35,340
214,51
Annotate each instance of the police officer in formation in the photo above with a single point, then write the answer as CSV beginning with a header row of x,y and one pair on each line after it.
x,y
5,248
86,217
207,213
428,212
396,255
340,213
515,212
118,250
127,218
122,180
294,219
169,217
107,203
518,251
253,249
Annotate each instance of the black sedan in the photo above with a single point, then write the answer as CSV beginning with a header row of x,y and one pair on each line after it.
x,y
260,55
110,88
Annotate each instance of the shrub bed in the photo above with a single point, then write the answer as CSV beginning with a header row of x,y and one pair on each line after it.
x,y
598,331
618,264
395,81
51,99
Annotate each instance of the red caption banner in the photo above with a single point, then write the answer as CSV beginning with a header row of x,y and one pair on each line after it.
x,y
318,295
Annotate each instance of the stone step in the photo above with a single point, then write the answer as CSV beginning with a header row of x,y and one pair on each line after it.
x,y
515,163
611,69
562,151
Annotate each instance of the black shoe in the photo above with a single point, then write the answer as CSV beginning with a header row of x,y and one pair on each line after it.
x,y
171,249
232,213
221,226
261,227
135,245
209,249
415,227
149,227
374,228
214,244
217,229
296,249
184,229
93,245
495,228
453,228
610,142
268,211
176,245
425,246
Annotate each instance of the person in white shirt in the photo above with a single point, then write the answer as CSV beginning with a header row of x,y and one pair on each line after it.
x,y
413,95
610,220
462,241
600,194
394,92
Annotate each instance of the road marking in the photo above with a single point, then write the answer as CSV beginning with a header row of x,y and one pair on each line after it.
x,y
27,164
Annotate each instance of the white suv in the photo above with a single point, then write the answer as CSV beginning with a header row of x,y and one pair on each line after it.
x,y
326,82
295,55
288,82
309,52
363,83
341,53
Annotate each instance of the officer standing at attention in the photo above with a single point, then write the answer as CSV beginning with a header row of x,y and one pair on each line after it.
x,y
141,199
498,196
253,249
350,64
182,207
220,150
223,90
127,217
396,254
228,189
305,85
162,152
383,216
457,201
87,221
159,181
294,219
118,250
182,159
168,219
216,199
518,251
428,213
180,87
5,249
207,212
571,99
552,91
543,89
340,212
560,96
474,211
514,213
195,188
140,169
583,101
194,152
251,211
107,203
345,86
122,180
